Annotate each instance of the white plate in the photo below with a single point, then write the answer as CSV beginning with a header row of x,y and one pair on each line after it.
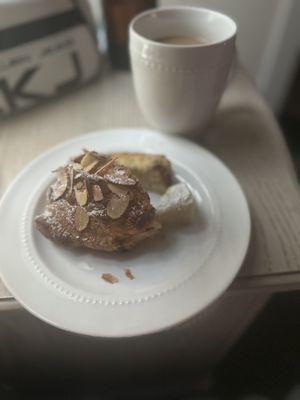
x,y
176,276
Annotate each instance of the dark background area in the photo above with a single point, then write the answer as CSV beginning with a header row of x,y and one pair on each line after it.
x,y
266,360
263,365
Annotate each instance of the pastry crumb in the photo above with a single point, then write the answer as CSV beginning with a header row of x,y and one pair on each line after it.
x,y
129,274
110,278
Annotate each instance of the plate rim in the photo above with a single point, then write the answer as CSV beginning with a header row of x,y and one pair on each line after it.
x,y
136,130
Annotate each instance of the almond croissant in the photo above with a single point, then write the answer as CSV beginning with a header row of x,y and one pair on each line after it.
x,y
98,204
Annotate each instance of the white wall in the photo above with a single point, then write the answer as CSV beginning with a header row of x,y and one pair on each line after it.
x,y
282,54
254,19
267,40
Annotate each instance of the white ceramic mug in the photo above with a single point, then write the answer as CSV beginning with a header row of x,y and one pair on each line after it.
x,y
178,86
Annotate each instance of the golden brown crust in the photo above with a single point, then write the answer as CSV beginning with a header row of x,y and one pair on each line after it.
x,y
154,171
103,207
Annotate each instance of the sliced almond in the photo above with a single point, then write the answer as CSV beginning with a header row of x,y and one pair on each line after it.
x,y
81,219
60,186
58,190
97,193
80,185
117,206
78,158
81,193
81,196
129,274
119,190
87,160
110,278
104,168
120,176
93,165
62,176
100,157
77,167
